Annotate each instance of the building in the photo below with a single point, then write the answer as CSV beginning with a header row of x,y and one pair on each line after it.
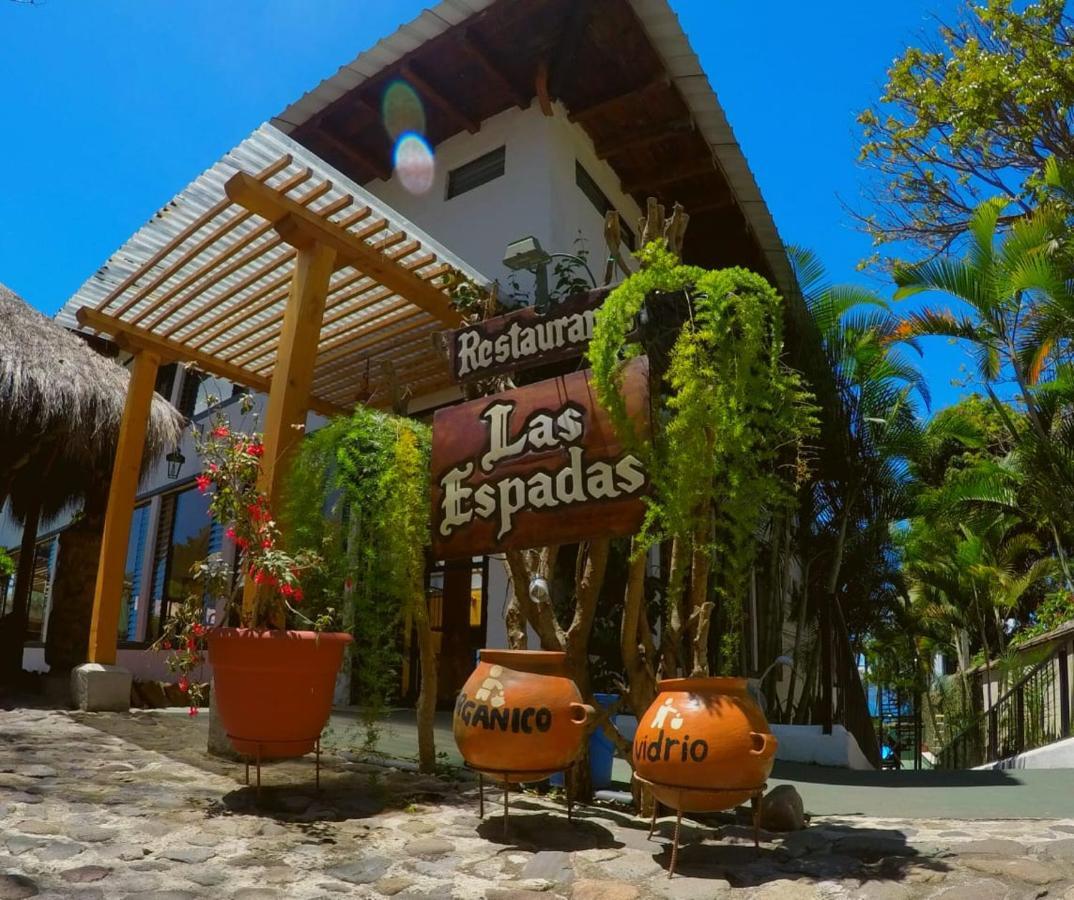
x,y
479,122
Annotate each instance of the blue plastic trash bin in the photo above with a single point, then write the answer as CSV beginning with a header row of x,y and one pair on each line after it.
x,y
601,751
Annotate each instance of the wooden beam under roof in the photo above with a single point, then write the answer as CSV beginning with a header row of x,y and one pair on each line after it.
x,y
131,337
639,140
306,225
564,65
672,176
366,160
475,46
433,93
615,101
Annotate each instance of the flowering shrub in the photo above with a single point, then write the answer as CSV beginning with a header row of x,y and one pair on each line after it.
x,y
232,466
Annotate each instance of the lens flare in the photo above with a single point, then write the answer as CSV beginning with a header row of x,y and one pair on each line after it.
x,y
402,110
414,163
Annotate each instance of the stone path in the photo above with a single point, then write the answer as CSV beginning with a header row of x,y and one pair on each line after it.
x,y
115,806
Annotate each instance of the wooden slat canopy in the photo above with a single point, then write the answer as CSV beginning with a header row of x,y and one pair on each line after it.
x,y
207,279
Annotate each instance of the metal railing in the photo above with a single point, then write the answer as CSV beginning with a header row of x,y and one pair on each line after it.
x,y
1035,712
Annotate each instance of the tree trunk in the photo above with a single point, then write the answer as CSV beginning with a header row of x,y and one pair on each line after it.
x,y
426,711
67,640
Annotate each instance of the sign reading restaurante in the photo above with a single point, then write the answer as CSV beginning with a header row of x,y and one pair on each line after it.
x,y
524,338
536,465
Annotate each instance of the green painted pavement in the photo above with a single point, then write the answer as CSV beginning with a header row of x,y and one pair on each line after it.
x,y
930,794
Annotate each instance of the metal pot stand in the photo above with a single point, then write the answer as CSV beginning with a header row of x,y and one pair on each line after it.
x,y
543,773
257,758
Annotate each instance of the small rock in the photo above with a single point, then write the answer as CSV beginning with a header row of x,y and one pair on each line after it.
x,y
363,871
784,889
429,848
991,847
189,854
257,893
205,877
782,809
91,834
389,887
37,826
603,890
56,850
976,889
1028,870
17,844
36,771
1061,850
83,874
514,894
16,887
550,865
883,890
683,887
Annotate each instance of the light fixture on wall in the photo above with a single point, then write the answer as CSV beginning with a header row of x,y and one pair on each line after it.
x,y
539,592
175,463
527,254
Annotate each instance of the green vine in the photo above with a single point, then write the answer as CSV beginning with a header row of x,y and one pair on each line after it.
x,y
358,495
729,417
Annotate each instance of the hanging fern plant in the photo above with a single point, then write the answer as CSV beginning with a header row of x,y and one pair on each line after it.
x,y
729,419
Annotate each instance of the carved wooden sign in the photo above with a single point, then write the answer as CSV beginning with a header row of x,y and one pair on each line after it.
x,y
523,338
537,465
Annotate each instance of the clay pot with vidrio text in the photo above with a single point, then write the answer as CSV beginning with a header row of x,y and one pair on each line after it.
x,y
704,744
520,717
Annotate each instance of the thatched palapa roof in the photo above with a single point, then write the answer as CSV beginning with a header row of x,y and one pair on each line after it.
x,y
60,408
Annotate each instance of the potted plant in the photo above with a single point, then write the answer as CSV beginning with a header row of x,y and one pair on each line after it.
x,y
274,659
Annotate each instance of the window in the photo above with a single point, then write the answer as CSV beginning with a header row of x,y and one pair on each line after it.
x,y
40,586
186,536
600,201
129,601
476,172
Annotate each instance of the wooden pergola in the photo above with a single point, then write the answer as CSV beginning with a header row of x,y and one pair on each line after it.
x,y
287,278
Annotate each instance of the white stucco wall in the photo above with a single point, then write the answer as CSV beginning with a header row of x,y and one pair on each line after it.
x,y
1059,755
809,744
537,194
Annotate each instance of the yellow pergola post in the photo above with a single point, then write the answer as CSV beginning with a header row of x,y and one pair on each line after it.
x,y
121,494
292,377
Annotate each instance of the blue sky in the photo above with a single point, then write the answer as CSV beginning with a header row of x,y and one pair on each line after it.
x,y
112,106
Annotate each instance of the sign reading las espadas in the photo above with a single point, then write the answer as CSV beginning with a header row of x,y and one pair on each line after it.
x,y
537,465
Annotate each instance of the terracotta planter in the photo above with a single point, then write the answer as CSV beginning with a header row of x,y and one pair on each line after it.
x,y
704,744
519,717
274,688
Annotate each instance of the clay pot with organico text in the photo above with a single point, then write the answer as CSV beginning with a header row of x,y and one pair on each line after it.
x,y
704,744
520,717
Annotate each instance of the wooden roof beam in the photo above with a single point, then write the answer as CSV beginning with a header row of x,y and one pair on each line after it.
x,y
642,139
131,337
564,65
610,104
473,44
673,176
433,94
366,160
304,225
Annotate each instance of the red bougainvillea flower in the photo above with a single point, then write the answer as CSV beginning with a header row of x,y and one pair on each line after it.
x,y
165,645
259,576
297,595
193,711
191,644
221,431
184,684
214,468
241,543
266,544
198,629
257,450
203,482
229,532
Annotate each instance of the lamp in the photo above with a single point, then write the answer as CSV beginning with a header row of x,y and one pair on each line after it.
x,y
539,592
527,254
175,463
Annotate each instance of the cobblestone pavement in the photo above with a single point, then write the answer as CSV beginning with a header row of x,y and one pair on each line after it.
x,y
117,806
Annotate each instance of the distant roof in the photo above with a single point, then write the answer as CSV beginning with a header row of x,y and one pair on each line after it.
x,y
503,65
209,278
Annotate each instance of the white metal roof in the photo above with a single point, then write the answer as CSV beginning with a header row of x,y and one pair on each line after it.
x,y
210,275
